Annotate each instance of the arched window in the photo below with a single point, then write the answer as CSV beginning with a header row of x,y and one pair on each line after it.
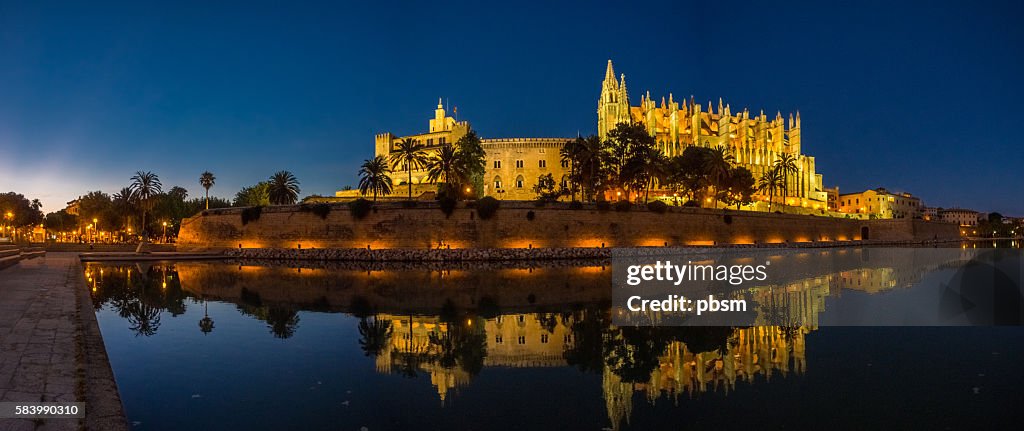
x,y
519,182
565,181
497,183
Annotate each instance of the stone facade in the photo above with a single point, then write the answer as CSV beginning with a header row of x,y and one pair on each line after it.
x,y
754,140
880,203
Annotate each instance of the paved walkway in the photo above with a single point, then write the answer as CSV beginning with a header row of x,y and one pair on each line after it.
x,y
50,347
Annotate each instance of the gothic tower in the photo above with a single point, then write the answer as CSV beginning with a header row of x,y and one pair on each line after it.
x,y
613,106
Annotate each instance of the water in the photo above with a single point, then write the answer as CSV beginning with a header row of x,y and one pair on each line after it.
x,y
269,346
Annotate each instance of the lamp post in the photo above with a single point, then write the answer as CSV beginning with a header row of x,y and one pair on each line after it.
x,y
165,232
96,228
9,216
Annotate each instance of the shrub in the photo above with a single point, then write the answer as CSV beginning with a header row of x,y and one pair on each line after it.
x,y
603,206
623,206
320,209
448,205
251,214
486,207
657,206
530,215
360,208
575,205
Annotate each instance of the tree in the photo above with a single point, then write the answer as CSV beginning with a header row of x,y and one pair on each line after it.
x,y
786,165
207,180
373,177
739,187
251,196
408,155
547,188
283,189
144,186
124,205
96,205
688,173
770,182
629,141
571,154
472,163
717,164
444,167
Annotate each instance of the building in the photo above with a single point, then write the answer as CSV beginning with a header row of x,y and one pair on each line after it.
x,y
754,140
514,164
880,203
832,198
960,216
930,213
73,207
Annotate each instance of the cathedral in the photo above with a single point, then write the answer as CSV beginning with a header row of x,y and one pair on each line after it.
x,y
755,141
514,164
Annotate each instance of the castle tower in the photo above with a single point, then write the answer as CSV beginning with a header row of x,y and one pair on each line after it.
x,y
613,106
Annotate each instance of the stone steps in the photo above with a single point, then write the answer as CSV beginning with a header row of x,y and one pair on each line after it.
x,y
10,255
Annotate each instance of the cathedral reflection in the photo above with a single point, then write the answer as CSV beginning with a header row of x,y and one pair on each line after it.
x,y
450,324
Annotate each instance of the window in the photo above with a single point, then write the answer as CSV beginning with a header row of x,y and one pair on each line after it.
x,y
544,338
497,183
543,163
565,163
497,164
522,339
567,339
519,164
497,339
522,318
519,182
430,141
440,141
542,150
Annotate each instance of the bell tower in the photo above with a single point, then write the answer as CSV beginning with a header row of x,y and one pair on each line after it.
x,y
613,105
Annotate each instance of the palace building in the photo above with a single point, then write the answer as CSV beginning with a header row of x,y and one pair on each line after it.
x,y
514,164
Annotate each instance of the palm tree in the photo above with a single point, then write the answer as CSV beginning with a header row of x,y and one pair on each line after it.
x,y
144,186
284,188
716,167
124,203
570,154
785,164
178,193
36,204
409,156
207,180
445,167
770,181
373,176
206,323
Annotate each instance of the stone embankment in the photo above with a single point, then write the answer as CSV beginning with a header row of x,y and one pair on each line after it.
x,y
513,254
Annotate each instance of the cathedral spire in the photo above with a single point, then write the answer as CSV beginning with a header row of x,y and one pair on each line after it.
x,y
609,73
439,105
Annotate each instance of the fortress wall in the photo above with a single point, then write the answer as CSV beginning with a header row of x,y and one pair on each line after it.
x,y
423,227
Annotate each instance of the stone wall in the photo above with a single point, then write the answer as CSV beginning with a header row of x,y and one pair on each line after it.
x,y
522,225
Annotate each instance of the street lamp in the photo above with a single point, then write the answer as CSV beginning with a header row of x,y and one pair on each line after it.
x,y
96,225
165,232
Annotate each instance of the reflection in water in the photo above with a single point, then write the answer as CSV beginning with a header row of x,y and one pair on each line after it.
x,y
452,323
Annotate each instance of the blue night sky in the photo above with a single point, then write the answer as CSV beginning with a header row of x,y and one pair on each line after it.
x,y
905,95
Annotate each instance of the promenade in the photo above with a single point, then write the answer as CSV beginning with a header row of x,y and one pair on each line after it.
x,y
50,346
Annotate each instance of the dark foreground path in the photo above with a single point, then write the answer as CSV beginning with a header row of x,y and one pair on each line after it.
x,y
51,349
